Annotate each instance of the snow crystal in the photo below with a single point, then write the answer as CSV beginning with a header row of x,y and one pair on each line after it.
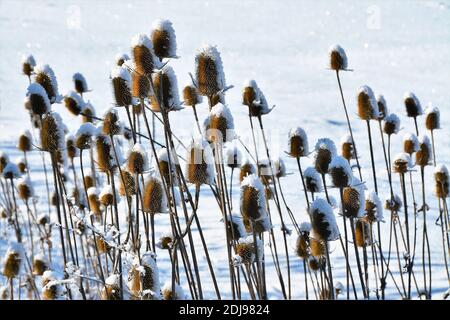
x,y
166,25
341,51
299,132
322,206
36,88
373,102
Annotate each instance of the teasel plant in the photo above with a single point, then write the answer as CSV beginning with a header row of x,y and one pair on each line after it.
x,y
432,123
28,64
192,99
325,150
298,148
413,108
80,84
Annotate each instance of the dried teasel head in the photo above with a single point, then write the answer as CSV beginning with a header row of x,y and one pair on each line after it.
x,y
254,98
72,150
247,250
317,248
120,59
4,160
38,99
302,246
253,201
122,84
111,291
143,279
141,86
111,123
166,165
441,178
313,180
164,39
127,185
265,172
323,222
338,58
314,263
169,294
89,181
154,200
341,172
433,118
382,107
43,219
94,201
402,163
374,209
279,168
191,96
74,103
102,246
410,143
143,54
137,160
298,143
412,105
367,104
348,148
22,166
106,196
80,84
362,233
45,76
394,204
391,124
88,113
25,142
14,258
200,164
52,133
233,156
28,64
51,288
325,151
219,125
166,91
40,265
424,154
353,200
105,158
236,226
247,168
25,189
209,74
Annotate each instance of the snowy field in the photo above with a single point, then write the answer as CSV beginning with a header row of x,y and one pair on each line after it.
x,y
392,46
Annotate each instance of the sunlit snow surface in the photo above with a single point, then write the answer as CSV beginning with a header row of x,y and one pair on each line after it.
x,y
392,46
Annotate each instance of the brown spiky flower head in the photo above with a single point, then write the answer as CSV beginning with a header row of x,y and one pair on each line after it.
x,y
362,233
25,189
191,96
40,265
412,105
247,168
143,278
74,103
111,291
38,98
111,123
200,164
323,222
84,135
105,154
298,143
45,76
166,165
353,200
11,171
341,172
313,180
235,224
127,185
233,156
441,178
382,107
94,201
410,143
209,73
52,132
169,294
22,165
4,160
122,84
254,98
106,196
394,204
424,154
303,241
80,84
137,160
374,208
14,259
141,87
433,118
28,64
367,104
25,143
72,150
348,148
143,54
51,287
247,251
253,204
88,113
166,91
164,39
219,125
402,163
391,124
325,151
338,58
155,200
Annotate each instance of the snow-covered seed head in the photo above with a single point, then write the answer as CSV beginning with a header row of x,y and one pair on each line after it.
x,y
94,201
391,124
298,143
317,248
111,291
127,185
347,148
137,160
341,172
402,163
236,226
105,159
4,160
141,85
433,118
25,189
84,135
164,39
253,200
325,151
167,81
279,168
121,58
144,278
165,242
72,150
424,154
191,96
143,54
73,102
246,169
22,166
45,76
51,288
323,222
111,123
200,166
264,171
13,261
169,294
106,196
394,204
38,99
154,198
412,105
353,201
102,245
219,126
121,82
247,249
338,58
382,107
163,163
442,181
367,104
40,265
52,133
233,156
314,263
302,245
209,71
410,143
312,180
374,209
25,143
254,98
88,113
362,233
11,171
28,64
80,84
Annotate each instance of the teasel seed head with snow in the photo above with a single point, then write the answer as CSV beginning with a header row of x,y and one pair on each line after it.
x,y
22,165
200,164
127,185
247,250
298,143
141,86
38,99
28,64
94,201
433,118
374,208
122,84
143,55
247,168
105,158
80,84
106,196
4,160
191,96
325,151
52,133
402,163
74,103
25,143
279,168
354,202
155,200
167,171
233,156
111,123
11,171
313,180
254,98
302,245
236,225
338,58
410,143
347,148
341,172
85,135
412,105
14,259
72,150
121,58
25,188
168,294
323,222
137,160
391,124
441,178
367,104
210,78
362,233
167,81
45,76
253,204
51,288
111,291
40,265
382,107
425,153
88,113
143,279
219,125
164,39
